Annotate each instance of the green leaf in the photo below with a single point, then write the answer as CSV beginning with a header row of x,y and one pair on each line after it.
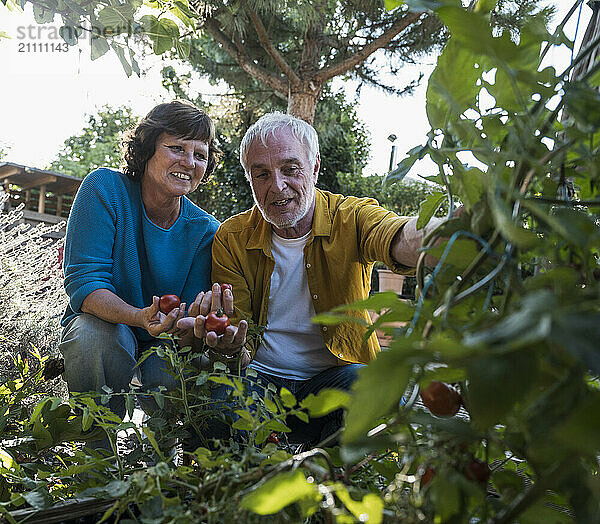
x,y
581,430
126,67
220,379
470,185
325,401
99,47
428,208
376,393
516,371
403,168
129,404
445,494
302,416
450,94
42,16
485,6
583,103
242,425
86,419
69,34
288,399
370,509
159,399
276,425
377,301
333,319
39,499
183,48
117,19
134,64
390,5
152,439
579,334
270,405
516,234
165,36
181,10
278,492
444,374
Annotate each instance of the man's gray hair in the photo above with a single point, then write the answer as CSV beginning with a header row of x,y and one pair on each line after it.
x,y
267,125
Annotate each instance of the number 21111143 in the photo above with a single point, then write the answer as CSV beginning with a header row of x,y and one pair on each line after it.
x,y
43,47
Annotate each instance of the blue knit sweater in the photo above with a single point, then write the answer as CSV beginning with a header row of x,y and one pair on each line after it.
x,y
112,244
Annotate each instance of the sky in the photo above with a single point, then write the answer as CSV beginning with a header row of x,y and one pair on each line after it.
x,y
46,94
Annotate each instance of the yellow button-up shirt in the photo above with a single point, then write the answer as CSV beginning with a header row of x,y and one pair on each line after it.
x,y
348,235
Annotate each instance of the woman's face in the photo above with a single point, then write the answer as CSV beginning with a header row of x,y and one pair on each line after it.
x,y
177,166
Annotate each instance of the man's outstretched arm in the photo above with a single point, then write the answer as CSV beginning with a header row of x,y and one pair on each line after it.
x,y
408,241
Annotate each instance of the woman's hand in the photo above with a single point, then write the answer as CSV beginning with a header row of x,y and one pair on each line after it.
x,y
155,322
234,338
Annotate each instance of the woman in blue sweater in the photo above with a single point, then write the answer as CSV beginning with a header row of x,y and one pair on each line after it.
x,y
132,237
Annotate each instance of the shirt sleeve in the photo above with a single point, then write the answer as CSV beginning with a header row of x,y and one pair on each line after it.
x,y
90,239
377,228
227,269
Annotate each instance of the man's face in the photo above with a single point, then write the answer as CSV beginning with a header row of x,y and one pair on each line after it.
x,y
283,182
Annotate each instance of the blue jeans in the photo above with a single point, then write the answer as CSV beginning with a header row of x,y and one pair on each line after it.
x,y
98,353
313,432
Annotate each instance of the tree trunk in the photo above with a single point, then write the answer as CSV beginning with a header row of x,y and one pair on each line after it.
x,y
302,101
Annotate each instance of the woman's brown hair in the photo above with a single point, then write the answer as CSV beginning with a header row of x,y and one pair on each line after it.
x,y
178,118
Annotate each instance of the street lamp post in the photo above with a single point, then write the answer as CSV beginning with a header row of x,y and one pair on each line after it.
x,y
392,138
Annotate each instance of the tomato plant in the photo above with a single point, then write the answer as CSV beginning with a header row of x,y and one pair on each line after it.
x,y
217,322
168,303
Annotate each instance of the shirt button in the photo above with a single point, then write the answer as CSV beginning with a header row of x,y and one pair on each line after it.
x,y
307,266
340,355
315,297
324,328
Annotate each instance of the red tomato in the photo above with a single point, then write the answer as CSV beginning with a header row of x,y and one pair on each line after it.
x,y
168,303
273,438
441,399
216,322
477,471
226,286
427,476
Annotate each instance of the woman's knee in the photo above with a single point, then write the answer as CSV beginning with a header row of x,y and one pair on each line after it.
x,y
97,353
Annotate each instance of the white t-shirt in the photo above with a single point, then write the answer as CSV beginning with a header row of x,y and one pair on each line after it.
x,y
292,345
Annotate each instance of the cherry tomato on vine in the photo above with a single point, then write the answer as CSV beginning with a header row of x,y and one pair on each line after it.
x,y
273,438
441,399
427,476
168,303
226,286
217,322
477,471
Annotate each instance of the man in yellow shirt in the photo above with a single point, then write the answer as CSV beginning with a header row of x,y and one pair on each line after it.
x,y
299,252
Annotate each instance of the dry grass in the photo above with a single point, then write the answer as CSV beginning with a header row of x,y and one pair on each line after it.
x,y
32,298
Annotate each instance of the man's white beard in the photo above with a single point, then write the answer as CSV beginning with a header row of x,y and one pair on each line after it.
x,y
289,221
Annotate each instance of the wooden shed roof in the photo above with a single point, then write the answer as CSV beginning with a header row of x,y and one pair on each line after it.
x,y
31,177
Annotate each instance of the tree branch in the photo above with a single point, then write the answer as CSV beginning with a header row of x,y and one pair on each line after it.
x,y
385,38
268,46
245,62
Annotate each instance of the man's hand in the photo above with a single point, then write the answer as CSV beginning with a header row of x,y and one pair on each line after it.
x,y
156,322
234,338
